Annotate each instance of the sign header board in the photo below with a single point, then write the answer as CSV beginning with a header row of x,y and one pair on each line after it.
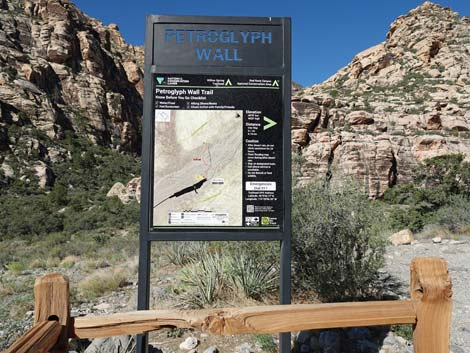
x,y
216,155
190,44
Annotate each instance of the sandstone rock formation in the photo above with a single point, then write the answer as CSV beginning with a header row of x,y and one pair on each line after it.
x,y
126,193
63,74
396,104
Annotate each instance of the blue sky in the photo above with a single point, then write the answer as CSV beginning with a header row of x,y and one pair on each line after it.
x,y
326,33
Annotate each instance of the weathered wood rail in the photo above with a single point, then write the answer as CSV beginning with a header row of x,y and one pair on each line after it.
x,y
429,310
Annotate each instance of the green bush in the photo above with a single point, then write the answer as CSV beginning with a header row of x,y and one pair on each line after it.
x,y
78,199
455,215
266,343
28,215
411,217
221,269
405,331
205,278
251,277
182,253
439,193
337,245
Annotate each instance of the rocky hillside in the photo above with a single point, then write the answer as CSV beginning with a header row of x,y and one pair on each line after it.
x,y
397,103
63,75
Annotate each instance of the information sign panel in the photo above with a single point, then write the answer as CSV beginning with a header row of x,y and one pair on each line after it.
x,y
216,161
217,151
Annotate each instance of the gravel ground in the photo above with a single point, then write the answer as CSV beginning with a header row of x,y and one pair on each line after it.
x,y
457,254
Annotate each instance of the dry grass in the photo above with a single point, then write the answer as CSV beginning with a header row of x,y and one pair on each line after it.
x,y
5,289
434,230
90,265
69,261
38,263
103,281
52,262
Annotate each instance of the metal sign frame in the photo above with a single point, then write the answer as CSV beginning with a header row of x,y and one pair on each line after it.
x,y
148,234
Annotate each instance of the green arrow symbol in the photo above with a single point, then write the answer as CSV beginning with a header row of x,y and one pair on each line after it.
x,y
270,122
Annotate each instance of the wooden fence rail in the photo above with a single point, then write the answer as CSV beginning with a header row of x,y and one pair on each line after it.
x,y
429,310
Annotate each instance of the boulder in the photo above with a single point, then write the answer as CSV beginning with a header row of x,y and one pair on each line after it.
x,y
126,193
189,343
211,349
7,170
360,118
110,345
116,190
331,341
305,115
300,137
403,237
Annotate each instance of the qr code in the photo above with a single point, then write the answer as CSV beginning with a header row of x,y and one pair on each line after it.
x,y
250,208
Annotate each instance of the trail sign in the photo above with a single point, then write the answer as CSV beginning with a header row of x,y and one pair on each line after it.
x,y
216,135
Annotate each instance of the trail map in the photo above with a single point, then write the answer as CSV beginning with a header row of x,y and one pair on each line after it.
x,y
198,167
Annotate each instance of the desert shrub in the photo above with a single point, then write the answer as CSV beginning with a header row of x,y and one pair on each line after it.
x,y
28,215
405,331
215,270
265,252
455,215
108,213
411,217
59,195
431,230
69,261
16,267
205,278
251,277
337,242
266,343
439,194
37,263
101,282
78,199
182,253
52,261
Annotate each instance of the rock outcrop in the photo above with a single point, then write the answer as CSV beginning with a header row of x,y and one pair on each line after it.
x,y
406,99
126,193
64,74
396,104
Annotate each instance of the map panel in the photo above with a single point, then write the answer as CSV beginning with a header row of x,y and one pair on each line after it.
x,y
198,168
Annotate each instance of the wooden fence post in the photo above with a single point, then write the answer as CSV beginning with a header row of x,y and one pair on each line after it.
x,y
431,289
51,302
38,339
